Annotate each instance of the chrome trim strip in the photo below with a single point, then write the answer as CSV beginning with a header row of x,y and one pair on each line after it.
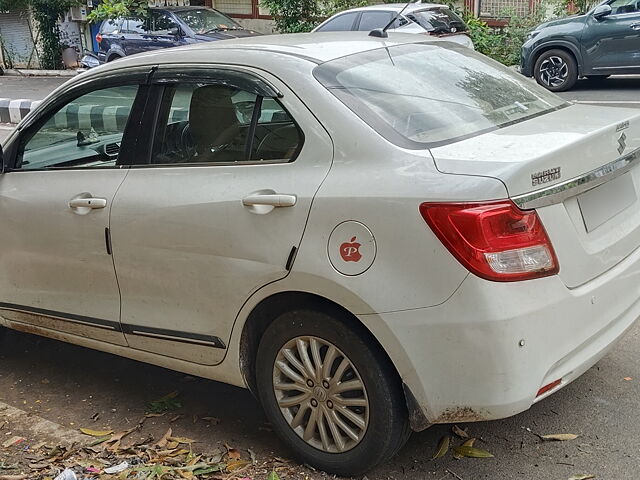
x,y
575,186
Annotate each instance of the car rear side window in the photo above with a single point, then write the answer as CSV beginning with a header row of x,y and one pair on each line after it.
x,y
421,95
217,123
111,26
340,23
438,20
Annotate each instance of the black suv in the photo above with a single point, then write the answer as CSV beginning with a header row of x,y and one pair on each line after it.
x,y
163,28
602,42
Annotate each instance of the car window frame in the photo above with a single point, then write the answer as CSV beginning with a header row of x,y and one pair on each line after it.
x,y
171,75
32,125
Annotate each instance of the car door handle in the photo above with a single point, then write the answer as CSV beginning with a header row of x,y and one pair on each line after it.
x,y
88,203
635,26
270,199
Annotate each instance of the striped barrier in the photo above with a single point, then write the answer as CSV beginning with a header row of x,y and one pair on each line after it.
x,y
12,111
79,116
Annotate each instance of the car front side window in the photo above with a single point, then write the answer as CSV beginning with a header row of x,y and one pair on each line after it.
x,y
621,7
85,132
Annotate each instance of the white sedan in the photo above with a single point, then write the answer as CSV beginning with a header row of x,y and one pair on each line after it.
x,y
372,234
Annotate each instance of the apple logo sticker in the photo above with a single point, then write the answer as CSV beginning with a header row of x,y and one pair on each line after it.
x,y
351,248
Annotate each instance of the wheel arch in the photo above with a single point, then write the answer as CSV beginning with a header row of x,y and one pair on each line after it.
x,y
113,55
557,45
271,307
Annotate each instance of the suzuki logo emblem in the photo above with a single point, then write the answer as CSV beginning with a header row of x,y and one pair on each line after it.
x,y
622,144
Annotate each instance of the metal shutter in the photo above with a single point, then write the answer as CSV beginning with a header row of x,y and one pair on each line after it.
x,y
16,37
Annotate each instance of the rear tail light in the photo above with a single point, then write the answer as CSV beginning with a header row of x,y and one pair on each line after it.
x,y
98,38
496,241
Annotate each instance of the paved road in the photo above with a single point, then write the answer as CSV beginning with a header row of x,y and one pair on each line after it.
x,y
619,90
69,385
31,88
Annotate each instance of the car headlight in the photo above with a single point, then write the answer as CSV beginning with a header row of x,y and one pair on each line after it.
x,y
531,35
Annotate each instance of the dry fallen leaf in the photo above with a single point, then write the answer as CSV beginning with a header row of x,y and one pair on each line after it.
x,y
234,454
472,452
582,477
627,379
164,440
459,432
443,447
96,433
559,437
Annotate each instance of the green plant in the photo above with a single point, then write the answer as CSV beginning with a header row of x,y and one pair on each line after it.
x,y
292,16
111,9
504,44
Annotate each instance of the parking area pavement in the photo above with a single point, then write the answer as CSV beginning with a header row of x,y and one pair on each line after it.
x,y
76,387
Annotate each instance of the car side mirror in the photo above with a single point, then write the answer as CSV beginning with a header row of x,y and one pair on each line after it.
x,y
175,31
602,11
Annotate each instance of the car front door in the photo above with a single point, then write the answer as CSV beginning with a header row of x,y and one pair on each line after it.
x,y
611,44
136,37
62,174
164,31
215,209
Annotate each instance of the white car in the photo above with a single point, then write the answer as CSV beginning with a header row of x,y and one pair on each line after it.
x,y
433,19
372,234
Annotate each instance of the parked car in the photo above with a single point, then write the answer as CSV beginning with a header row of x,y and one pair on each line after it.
x,y
164,28
374,235
423,18
605,41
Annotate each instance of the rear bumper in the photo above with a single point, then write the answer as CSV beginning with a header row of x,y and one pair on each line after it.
x,y
485,353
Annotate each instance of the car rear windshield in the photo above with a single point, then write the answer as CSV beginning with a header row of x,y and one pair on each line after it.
x,y
438,20
204,20
426,94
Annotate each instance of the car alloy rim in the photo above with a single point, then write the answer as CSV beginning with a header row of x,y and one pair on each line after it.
x,y
554,71
321,394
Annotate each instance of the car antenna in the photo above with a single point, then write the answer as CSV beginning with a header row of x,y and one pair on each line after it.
x,y
382,32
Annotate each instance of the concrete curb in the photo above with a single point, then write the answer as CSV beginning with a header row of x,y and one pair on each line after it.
x,y
39,428
12,111
40,73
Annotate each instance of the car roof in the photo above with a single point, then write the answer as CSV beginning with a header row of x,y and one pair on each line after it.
x,y
396,7
315,47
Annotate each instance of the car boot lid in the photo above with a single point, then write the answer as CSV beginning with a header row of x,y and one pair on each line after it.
x,y
548,150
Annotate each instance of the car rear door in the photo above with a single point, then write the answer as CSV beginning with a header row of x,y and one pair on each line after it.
x,y
612,44
215,208
56,269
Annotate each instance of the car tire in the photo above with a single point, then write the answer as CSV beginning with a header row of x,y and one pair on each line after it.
x,y
377,415
556,70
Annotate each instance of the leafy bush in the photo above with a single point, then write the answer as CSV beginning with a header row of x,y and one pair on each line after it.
x,y
504,44
292,16
111,9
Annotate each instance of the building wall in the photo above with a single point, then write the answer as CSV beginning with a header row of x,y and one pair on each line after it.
x,y
258,24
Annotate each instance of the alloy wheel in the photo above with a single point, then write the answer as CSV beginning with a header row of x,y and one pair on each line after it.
x,y
321,394
553,71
